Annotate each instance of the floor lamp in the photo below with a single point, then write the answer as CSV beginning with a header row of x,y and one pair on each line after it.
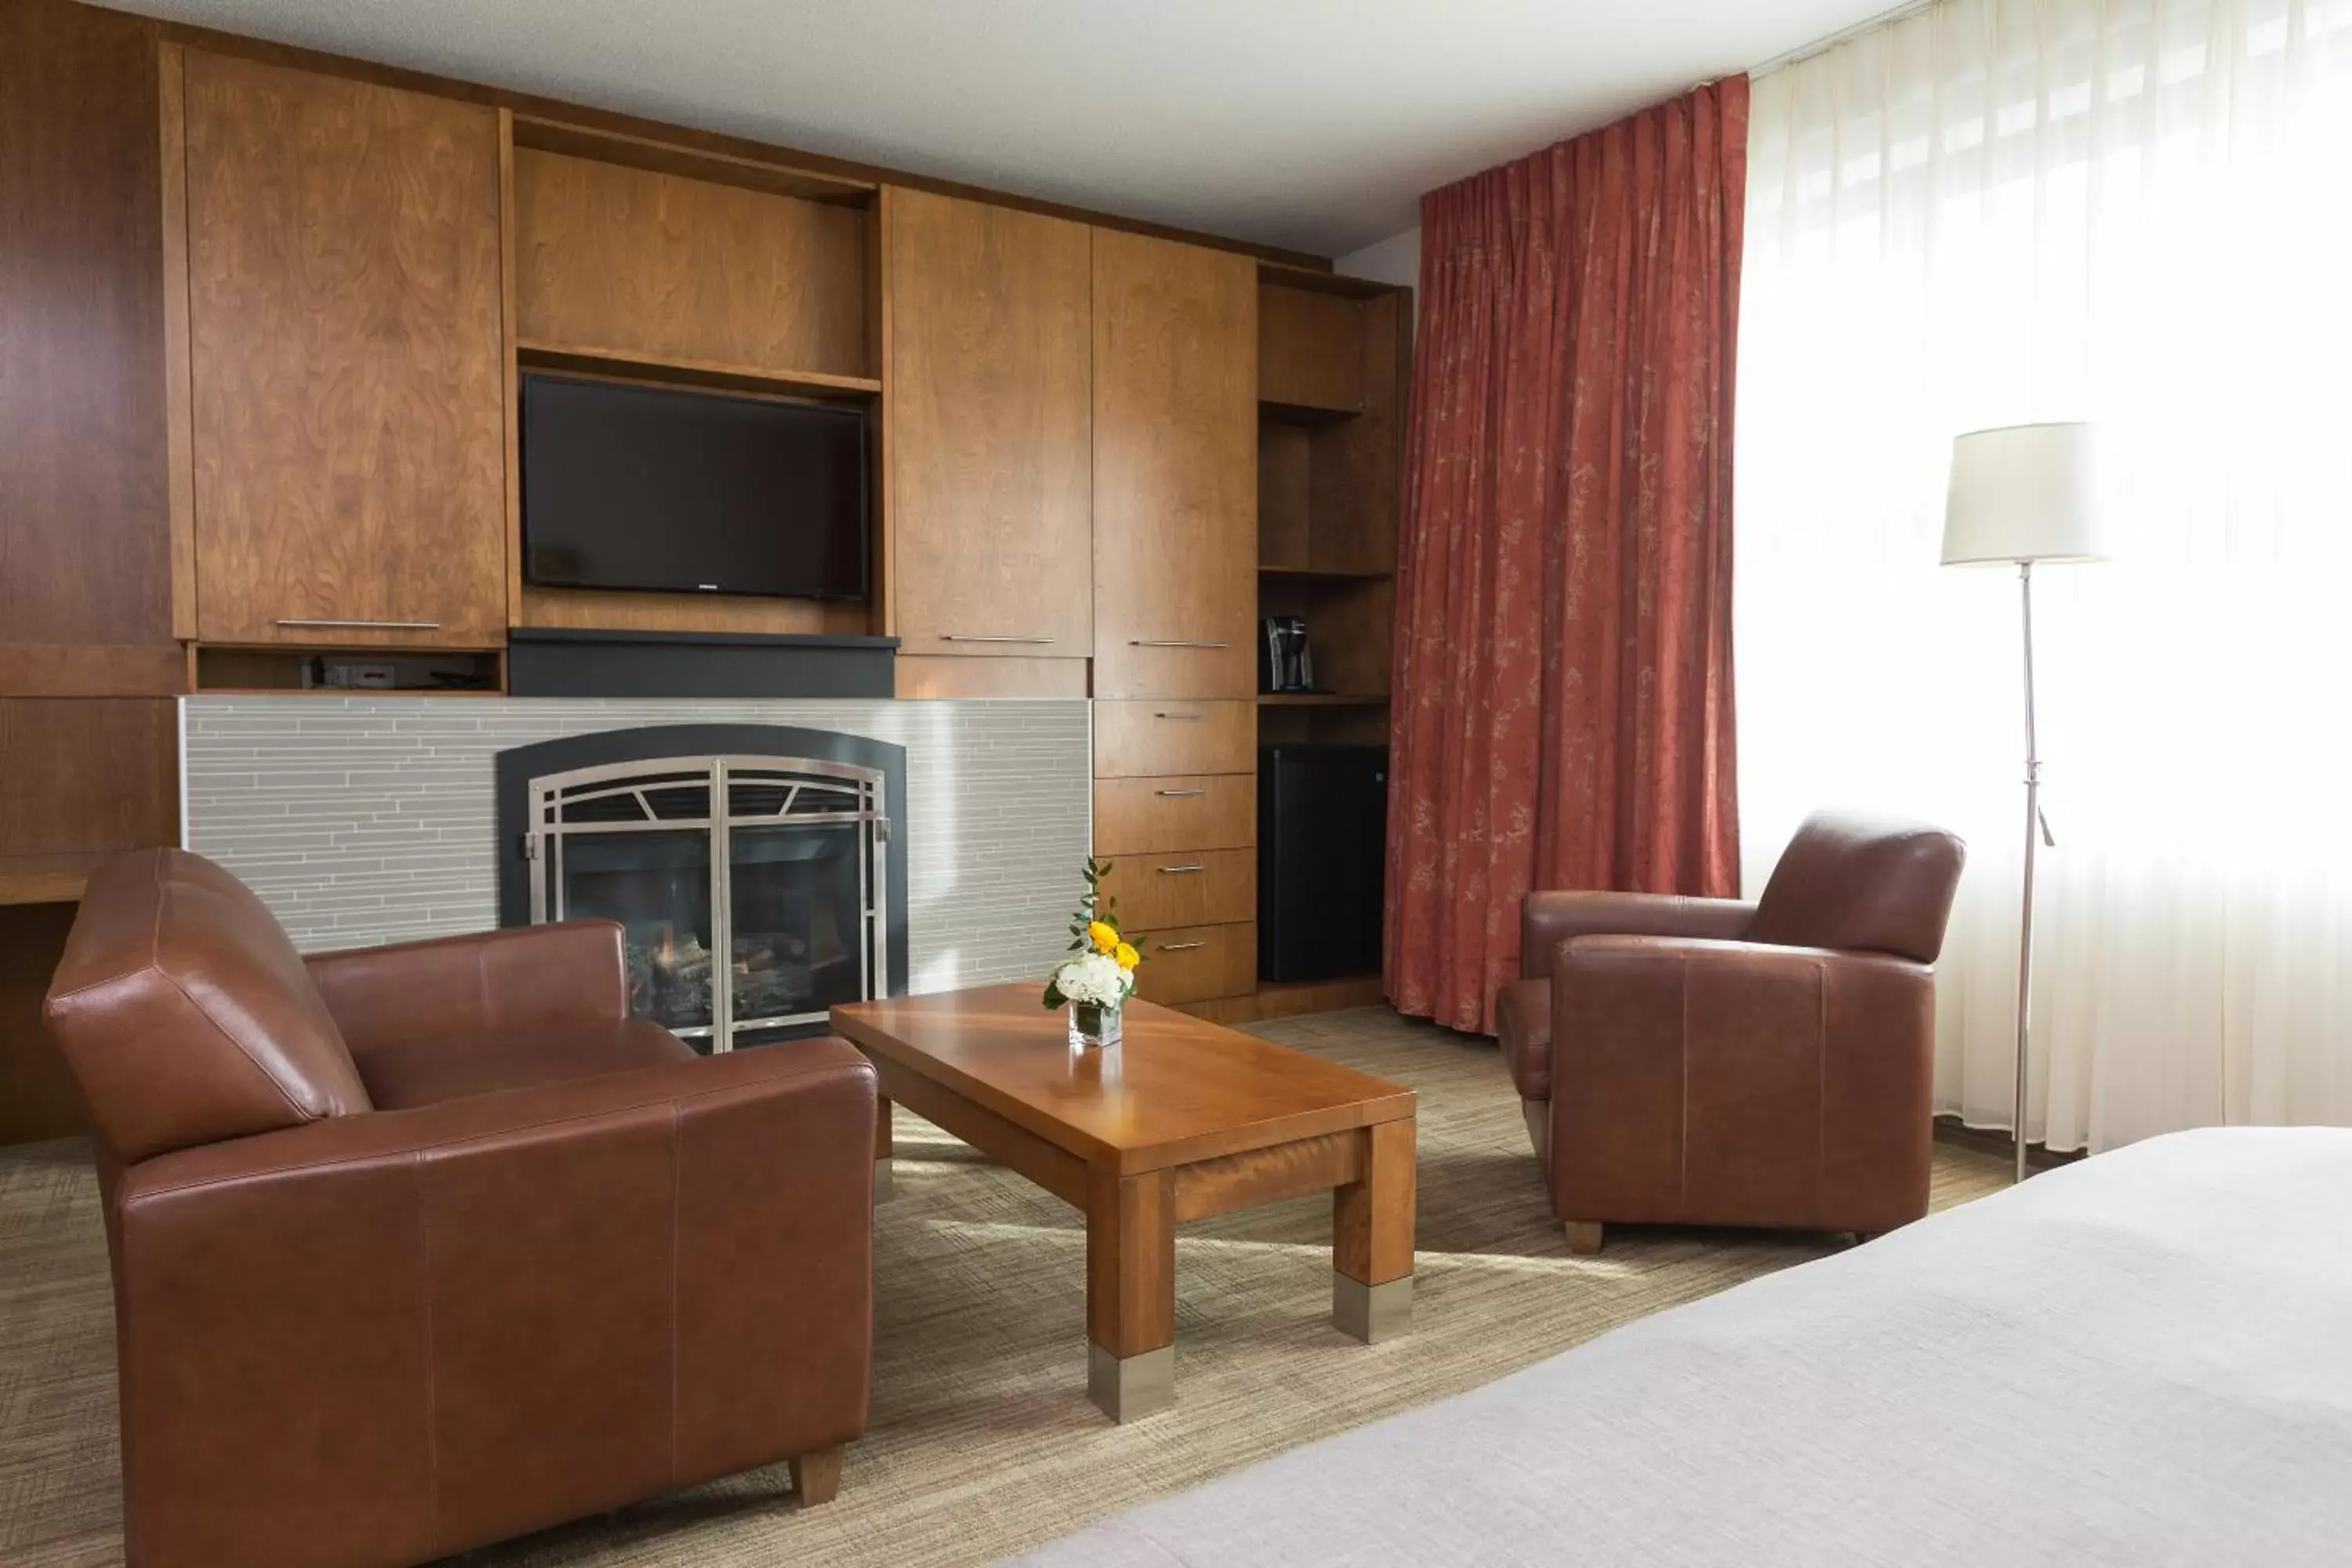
x,y
2027,494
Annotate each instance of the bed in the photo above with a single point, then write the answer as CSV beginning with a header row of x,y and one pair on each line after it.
x,y
2144,1358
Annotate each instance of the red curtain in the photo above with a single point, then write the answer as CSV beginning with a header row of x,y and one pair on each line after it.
x,y
1563,706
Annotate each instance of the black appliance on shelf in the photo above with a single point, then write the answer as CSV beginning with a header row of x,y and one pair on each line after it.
x,y
1282,662
1322,833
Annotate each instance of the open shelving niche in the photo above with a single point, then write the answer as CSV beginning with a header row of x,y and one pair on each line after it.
x,y
1332,377
627,259
1333,372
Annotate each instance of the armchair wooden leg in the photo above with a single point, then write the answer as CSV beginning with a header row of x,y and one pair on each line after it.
x,y
818,1477
1584,1236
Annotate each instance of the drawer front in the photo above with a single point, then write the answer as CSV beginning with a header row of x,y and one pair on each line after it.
x,y
1195,963
1209,810
1184,888
1161,736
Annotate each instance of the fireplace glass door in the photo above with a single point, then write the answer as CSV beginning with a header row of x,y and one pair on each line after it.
x,y
750,890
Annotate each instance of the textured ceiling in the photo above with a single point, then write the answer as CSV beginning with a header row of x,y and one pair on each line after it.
x,y
1311,124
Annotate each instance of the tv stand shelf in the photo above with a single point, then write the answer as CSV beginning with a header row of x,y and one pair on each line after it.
x,y
534,355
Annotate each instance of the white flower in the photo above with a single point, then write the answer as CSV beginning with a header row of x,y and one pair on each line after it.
x,y
1094,978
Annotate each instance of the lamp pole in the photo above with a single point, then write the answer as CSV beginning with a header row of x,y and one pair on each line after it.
x,y
2036,830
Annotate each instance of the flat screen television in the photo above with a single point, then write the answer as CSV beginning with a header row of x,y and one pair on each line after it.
x,y
645,488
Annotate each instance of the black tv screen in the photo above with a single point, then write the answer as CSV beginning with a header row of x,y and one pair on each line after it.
x,y
639,487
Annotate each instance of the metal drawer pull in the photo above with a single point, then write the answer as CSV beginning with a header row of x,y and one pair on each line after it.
x,y
967,636
1181,870
1178,715
1179,793
1176,642
360,625
1180,946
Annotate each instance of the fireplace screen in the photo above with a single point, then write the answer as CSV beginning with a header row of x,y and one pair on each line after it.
x,y
751,890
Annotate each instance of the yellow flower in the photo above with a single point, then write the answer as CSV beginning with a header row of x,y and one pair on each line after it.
x,y
1127,955
1104,936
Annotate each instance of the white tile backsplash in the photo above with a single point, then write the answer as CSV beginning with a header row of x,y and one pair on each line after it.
x,y
361,820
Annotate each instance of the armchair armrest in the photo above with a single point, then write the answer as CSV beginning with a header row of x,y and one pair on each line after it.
x,y
520,977
496,1313
1547,919
1727,1082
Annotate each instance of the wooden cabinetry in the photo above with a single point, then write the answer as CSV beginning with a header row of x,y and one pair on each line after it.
x,y
345,417
1175,468
992,410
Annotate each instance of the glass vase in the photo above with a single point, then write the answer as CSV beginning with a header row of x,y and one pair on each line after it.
x,y
1095,1024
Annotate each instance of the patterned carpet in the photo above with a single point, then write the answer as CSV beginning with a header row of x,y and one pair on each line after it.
x,y
982,1441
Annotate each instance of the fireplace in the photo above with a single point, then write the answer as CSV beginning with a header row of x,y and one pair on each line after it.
x,y
758,872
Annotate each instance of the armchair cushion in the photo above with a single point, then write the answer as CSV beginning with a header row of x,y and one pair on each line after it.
x,y
523,978
186,1015
427,1072
1547,919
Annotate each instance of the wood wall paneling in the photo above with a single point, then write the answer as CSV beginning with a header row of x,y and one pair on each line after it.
x,y
1163,737
88,773
85,553
1175,469
1308,350
346,365
880,347
91,670
991,411
38,1097
658,265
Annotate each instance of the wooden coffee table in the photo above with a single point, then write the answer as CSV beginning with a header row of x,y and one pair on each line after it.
x,y
1181,1121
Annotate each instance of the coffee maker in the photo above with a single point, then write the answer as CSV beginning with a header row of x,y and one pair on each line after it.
x,y
1284,663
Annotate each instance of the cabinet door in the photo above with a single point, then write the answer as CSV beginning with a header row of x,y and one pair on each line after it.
x,y
1175,450
990,408
345,382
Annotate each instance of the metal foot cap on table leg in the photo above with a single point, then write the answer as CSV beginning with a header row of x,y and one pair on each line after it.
x,y
1127,1388
1372,1312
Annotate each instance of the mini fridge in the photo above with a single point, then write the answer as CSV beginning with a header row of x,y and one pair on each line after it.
x,y
1322,831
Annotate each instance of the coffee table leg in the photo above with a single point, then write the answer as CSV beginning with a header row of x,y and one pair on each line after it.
x,y
1372,1238
881,1148
1131,1292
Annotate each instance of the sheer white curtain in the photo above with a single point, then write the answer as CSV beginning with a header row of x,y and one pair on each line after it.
x,y
2138,212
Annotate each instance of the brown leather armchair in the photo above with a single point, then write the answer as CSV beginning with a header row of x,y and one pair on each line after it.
x,y
1712,1061
419,1247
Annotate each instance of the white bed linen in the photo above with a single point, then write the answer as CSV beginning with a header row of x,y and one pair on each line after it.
x,y
2139,1360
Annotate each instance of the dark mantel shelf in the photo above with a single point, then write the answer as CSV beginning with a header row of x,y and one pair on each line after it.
x,y
566,662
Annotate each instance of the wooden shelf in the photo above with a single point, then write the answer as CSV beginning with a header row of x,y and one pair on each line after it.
x,y
44,879
532,355
1328,574
1276,413
1320,699
1321,281
690,162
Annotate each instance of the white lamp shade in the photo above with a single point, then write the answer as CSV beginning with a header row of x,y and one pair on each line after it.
x,y
2024,492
